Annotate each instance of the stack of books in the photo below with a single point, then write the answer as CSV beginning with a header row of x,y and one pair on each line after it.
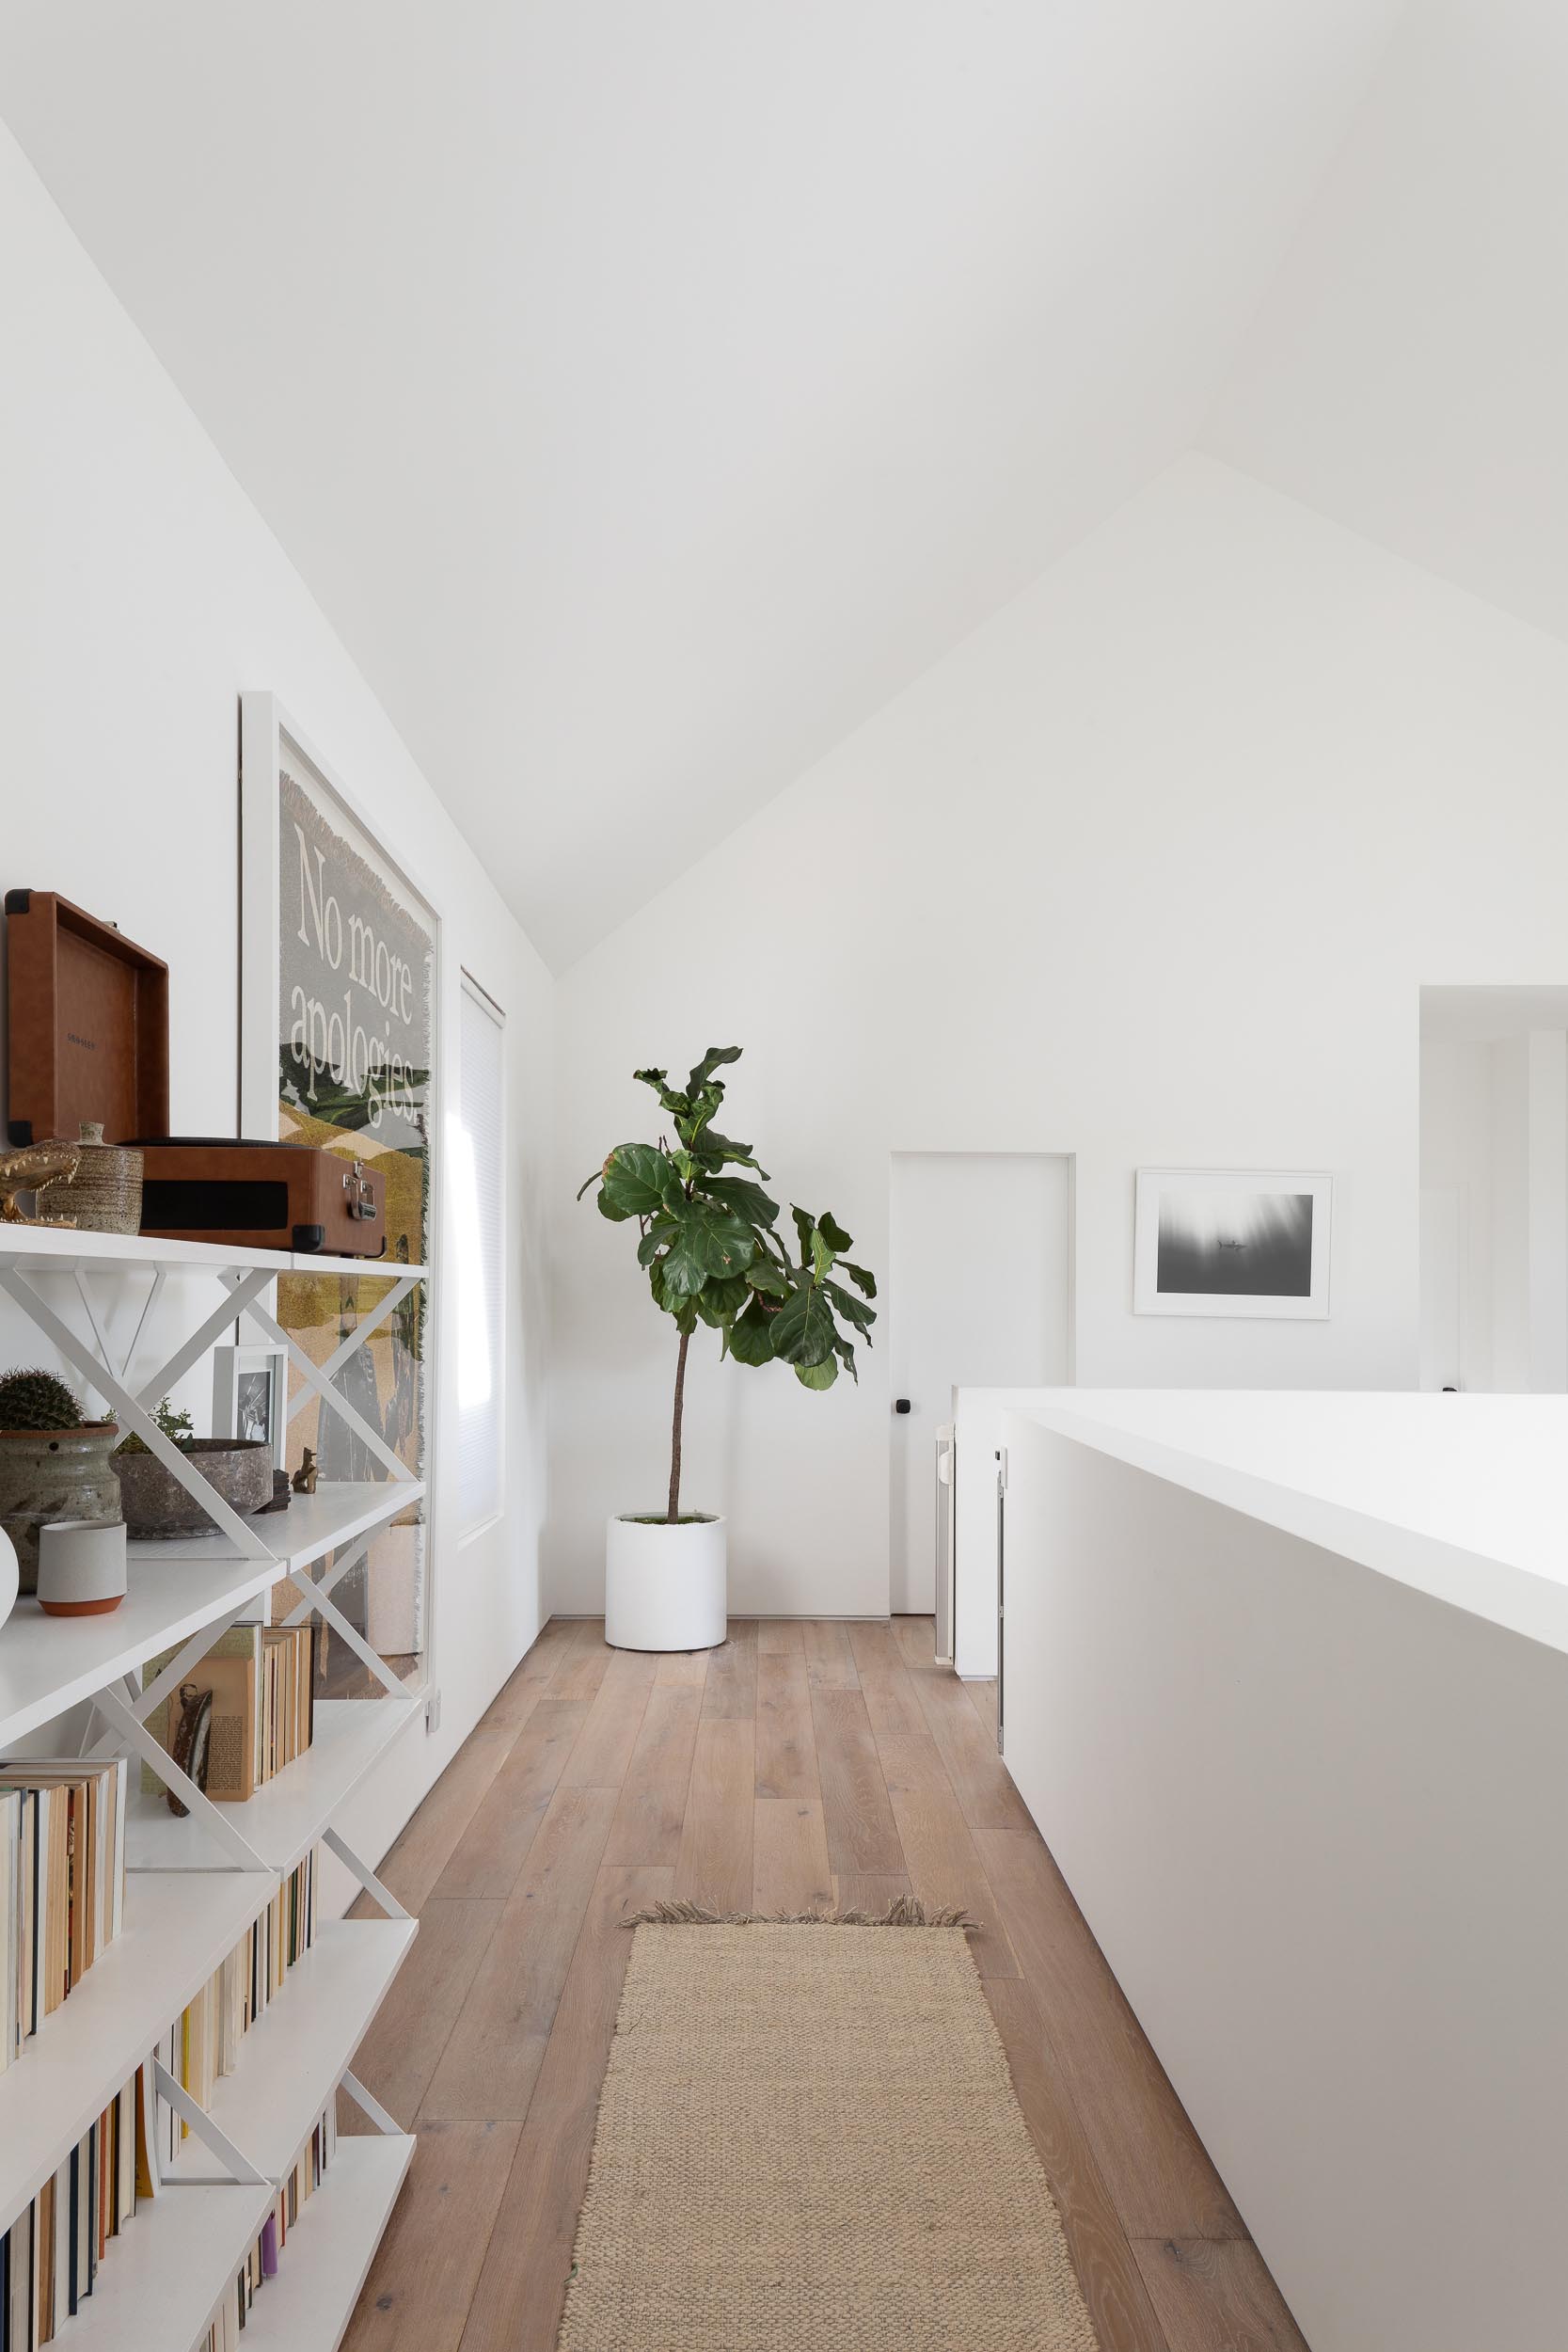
x,y
50,2255
204,2043
62,1884
232,2315
262,1679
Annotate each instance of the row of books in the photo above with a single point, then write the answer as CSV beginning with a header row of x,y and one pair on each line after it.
x,y
259,1680
62,1884
49,2256
262,2263
203,2043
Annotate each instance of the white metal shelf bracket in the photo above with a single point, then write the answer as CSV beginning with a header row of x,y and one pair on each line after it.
x,y
371,2106
236,2162
314,1376
317,1589
132,1410
119,1716
339,1844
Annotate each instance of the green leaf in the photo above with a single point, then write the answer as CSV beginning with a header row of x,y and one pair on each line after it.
x,y
804,1331
682,1268
715,1058
803,1226
751,1335
820,1375
858,1275
713,1150
738,1193
765,1276
639,1181
676,1105
833,1233
721,1299
821,1256
852,1309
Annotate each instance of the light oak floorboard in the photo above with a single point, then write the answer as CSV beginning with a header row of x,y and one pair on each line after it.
x,y
829,1661
917,1638
585,1665
651,1810
982,1697
981,1781
789,1867
608,1737
872,1892
426,2266
489,1856
730,1689
684,1668
1209,2293
891,1701
787,1743
409,2031
492,2055
861,1831
714,1863
944,1867
779,1637
516,2303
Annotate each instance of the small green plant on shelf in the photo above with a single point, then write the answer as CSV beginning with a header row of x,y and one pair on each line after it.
x,y
711,1249
178,1427
37,1400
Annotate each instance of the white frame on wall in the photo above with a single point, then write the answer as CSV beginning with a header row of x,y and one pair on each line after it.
x,y
265,726
1153,1183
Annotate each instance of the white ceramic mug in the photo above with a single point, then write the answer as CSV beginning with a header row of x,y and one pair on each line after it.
x,y
81,1567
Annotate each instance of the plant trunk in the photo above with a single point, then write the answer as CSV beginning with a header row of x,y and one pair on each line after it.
x,y
674,1512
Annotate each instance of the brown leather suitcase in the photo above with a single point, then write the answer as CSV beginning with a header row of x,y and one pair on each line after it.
x,y
88,1025
262,1196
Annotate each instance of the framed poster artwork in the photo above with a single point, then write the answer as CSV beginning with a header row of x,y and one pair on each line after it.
x,y
250,1397
1231,1242
339,1033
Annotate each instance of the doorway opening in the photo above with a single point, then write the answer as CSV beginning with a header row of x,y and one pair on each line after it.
x,y
1494,1160
979,1294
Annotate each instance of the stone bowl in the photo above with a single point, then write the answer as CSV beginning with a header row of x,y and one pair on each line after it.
x,y
56,1474
239,1469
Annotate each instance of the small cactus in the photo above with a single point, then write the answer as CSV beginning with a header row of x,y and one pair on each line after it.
x,y
36,1400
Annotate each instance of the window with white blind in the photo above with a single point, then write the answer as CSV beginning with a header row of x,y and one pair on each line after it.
x,y
478,1164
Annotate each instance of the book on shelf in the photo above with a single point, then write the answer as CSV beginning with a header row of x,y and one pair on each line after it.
x,y
49,2256
204,2041
262,1679
269,2253
62,1882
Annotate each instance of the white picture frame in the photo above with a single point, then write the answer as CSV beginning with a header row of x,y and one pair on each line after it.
x,y
250,1395
1248,1243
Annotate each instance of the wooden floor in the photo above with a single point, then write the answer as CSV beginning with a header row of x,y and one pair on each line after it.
x,y
801,1764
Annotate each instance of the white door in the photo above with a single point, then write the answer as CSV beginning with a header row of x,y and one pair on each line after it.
x,y
979,1294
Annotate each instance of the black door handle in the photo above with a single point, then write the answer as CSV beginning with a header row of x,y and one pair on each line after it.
x,y
900,1404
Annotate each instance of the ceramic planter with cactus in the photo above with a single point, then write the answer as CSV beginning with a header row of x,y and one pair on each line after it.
x,y
52,1464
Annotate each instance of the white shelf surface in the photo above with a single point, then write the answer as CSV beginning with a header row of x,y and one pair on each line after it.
x,y
161,2279
294,2056
312,1525
283,1819
176,1586
308,2306
60,1250
176,1931
48,1664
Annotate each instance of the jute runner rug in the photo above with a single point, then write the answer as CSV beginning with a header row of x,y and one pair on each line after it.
x,y
807,2137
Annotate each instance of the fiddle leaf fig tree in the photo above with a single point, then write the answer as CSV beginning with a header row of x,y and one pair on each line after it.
x,y
709,1242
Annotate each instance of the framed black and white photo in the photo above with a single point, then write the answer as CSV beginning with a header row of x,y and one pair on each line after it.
x,y
250,1397
1231,1242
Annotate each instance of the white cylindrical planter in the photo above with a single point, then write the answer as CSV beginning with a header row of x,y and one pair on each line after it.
x,y
665,1587
81,1567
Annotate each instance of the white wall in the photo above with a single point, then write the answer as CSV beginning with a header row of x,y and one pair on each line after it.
x,y
1148,869
139,593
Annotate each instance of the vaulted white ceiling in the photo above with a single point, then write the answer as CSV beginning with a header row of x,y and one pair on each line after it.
x,y
647,388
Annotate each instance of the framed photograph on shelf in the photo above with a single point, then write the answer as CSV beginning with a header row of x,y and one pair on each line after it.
x,y
1231,1242
250,1397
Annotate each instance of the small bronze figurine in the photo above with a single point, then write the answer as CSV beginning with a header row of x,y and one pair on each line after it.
x,y
305,1476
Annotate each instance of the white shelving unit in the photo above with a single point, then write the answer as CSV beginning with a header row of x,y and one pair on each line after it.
x,y
197,1884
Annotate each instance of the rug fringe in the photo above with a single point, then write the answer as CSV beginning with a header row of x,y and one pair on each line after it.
x,y
903,1912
